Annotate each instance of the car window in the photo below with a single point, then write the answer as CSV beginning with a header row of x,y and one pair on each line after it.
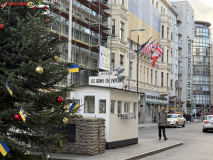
x,y
179,116
171,116
210,118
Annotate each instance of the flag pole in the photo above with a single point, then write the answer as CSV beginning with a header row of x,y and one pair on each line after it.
x,y
137,61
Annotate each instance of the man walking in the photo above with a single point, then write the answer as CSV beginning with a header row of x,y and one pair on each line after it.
x,y
162,122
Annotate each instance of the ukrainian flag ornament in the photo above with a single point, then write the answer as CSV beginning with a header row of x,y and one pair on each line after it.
x,y
9,88
4,149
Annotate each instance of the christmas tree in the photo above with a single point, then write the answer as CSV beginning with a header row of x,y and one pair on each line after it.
x,y
29,72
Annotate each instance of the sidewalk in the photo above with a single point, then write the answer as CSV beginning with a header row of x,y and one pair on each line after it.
x,y
143,125
144,148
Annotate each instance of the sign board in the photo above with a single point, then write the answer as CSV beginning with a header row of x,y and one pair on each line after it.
x,y
189,53
104,58
105,81
111,73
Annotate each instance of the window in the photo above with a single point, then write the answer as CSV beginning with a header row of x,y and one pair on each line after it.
x,y
157,5
122,2
161,10
161,79
167,32
113,1
171,68
126,107
112,61
162,56
151,75
171,83
122,30
131,75
119,106
113,26
176,68
171,36
153,2
144,70
147,77
156,77
89,104
140,72
167,80
167,56
135,108
77,101
171,54
102,106
112,106
121,60
162,32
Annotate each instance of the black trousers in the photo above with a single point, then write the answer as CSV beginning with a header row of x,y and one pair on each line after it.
x,y
162,128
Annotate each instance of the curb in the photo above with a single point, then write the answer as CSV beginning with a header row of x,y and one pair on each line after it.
x,y
153,152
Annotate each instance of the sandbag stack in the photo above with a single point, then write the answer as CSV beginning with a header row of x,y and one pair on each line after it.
x,y
90,136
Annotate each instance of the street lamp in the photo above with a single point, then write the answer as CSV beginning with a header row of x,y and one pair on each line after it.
x,y
141,29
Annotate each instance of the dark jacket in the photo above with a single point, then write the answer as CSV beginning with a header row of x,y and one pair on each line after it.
x,y
162,118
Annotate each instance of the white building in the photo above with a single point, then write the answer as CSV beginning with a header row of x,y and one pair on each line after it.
x,y
185,9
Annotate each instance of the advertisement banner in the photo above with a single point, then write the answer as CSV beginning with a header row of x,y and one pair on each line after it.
x,y
104,58
189,70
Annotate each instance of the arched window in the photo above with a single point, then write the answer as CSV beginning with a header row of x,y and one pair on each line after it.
x,y
157,5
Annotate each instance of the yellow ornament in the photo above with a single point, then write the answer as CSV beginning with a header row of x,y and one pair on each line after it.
x,y
30,4
65,121
27,153
65,108
39,70
55,59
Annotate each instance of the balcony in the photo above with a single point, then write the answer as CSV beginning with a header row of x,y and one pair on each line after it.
x,y
180,30
180,44
180,57
180,18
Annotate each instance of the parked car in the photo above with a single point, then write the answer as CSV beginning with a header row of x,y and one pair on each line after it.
x,y
208,123
175,120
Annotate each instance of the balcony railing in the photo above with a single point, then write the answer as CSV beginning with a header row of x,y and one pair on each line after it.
x,y
180,30
180,57
180,44
180,18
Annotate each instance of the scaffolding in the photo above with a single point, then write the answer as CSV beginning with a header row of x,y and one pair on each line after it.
x,y
90,30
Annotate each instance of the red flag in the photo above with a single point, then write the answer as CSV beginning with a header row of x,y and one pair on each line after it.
x,y
154,58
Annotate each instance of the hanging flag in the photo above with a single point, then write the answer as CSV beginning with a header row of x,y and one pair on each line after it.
x,y
23,114
154,58
159,49
4,149
9,88
73,106
148,48
60,143
143,45
73,68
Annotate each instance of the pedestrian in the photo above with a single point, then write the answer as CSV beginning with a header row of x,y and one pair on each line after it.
x,y
155,118
162,122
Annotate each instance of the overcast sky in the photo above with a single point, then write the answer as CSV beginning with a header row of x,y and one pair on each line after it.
x,y
203,9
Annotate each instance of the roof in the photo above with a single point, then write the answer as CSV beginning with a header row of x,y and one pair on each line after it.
x,y
208,24
107,88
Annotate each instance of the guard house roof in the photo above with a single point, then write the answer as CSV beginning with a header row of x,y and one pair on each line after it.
x,y
205,23
108,88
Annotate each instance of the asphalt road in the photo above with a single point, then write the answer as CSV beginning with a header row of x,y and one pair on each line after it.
x,y
197,145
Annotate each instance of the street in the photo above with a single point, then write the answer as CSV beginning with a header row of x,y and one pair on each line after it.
x,y
196,144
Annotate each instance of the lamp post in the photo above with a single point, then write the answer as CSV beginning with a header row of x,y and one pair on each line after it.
x,y
141,29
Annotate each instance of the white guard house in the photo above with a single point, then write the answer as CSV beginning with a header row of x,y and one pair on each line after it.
x,y
119,108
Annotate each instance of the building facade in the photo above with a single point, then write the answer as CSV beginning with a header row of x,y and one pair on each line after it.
x,y
211,77
201,67
185,21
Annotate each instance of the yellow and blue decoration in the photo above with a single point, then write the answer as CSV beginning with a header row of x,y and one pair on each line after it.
x,y
9,88
73,106
23,114
60,143
73,68
4,149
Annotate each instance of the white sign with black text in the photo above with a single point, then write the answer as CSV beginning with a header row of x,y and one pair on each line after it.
x,y
189,53
104,81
